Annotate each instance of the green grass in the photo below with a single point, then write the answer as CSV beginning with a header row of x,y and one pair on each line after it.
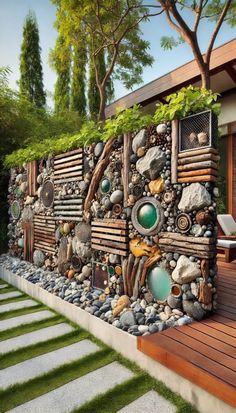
x,y
7,289
22,311
17,356
19,394
27,328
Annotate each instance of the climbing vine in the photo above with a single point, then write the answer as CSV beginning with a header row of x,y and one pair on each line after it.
x,y
186,101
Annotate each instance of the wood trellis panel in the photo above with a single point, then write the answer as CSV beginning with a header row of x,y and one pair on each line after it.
x,y
32,171
110,235
44,233
68,167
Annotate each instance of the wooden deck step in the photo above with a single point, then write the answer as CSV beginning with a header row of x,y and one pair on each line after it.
x,y
203,352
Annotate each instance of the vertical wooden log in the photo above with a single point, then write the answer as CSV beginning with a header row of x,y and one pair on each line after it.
x,y
126,166
28,241
174,150
32,169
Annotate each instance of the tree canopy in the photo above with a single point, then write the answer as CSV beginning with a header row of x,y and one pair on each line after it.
x,y
111,28
186,16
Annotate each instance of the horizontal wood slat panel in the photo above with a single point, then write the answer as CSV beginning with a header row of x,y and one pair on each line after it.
x,y
44,233
66,154
110,235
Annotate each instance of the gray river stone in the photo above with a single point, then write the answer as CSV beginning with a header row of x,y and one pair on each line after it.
x,y
194,196
152,163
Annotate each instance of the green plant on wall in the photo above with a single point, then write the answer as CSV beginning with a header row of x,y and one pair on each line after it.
x,y
178,105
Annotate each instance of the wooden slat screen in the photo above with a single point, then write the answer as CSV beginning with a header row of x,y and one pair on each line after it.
x,y
28,241
44,233
68,167
110,235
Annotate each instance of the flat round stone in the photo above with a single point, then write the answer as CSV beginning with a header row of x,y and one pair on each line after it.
x,y
105,185
159,283
147,215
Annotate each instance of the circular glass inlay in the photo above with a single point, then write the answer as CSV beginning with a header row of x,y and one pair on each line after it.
x,y
159,283
111,270
147,215
105,185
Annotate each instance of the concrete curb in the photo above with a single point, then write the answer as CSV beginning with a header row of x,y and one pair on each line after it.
x,y
123,343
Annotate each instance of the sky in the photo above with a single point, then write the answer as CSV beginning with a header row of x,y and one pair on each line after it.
x,y
12,15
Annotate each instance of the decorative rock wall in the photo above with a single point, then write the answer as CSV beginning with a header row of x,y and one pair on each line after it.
x,y
130,224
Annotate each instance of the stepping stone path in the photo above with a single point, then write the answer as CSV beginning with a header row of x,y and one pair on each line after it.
x,y
12,294
25,319
4,308
38,336
77,392
74,393
40,365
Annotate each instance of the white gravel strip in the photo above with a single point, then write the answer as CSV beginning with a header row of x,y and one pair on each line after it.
x,y
17,306
77,392
150,402
11,294
38,336
37,366
25,319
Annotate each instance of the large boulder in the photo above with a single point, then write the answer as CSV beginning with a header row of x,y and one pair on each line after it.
x,y
194,196
38,258
152,163
139,140
185,271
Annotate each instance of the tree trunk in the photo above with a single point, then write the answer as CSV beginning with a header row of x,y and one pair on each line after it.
x,y
102,93
205,76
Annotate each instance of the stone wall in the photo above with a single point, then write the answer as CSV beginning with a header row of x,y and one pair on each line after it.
x,y
130,224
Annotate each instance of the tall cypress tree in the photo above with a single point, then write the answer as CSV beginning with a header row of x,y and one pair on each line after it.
x,y
60,61
93,92
31,73
78,98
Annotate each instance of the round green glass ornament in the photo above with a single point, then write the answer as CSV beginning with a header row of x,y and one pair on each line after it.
x,y
159,283
111,270
147,215
105,186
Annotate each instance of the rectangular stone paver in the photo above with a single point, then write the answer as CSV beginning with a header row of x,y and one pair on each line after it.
x,y
149,403
3,286
37,366
44,334
25,319
77,392
17,306
11,294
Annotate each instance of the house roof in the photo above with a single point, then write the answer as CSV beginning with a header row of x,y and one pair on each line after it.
x,y
223,78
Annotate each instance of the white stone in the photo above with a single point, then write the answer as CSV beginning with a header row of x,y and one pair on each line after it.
x,y
152,163
139,140
77,392
161,128
44,334
37,366
194,196
25,319
149,403
17,306
185,270
11,294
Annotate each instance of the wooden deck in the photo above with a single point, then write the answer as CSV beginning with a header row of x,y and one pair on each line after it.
x,y
203,352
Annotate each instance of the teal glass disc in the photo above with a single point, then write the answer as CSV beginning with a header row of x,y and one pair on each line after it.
x,y
147,215
159,283
111,270
105,186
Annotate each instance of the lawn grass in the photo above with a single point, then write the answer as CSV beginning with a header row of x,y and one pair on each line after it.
x,y
28,328
19,394
17,356
22,311
7,289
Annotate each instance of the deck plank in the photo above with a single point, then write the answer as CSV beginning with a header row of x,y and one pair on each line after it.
x,y
204,352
